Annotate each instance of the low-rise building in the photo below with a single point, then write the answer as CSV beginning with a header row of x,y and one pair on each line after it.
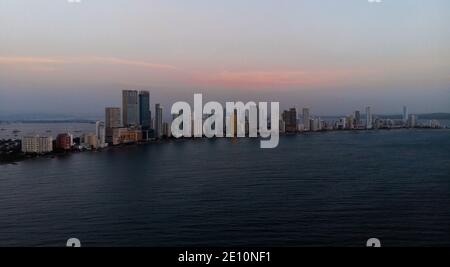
x,y
126,135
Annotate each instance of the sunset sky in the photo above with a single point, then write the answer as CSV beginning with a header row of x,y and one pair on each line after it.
x,y
333,56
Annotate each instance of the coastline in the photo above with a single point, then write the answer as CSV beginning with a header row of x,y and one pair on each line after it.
x,y
15,157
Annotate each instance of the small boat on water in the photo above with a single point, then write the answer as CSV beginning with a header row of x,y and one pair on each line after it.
x,y
2,129
16,131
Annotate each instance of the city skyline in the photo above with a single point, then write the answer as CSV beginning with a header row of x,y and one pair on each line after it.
x,y
330,55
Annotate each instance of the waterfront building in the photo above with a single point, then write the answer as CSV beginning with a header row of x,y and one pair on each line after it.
x,y
144,110
357,118
405,115
315,125
435,124
282,126
290,120
37,144
350,124
130,108
145,119
112,121
158,120
306,119
369,118
130,136
64,141
412,121
100,132
166,130
90,141
342,123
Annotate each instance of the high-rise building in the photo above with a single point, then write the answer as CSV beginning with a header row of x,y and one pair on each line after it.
x,y
158,121
369,118
144,110
290,120
315,125
357,118
37,144
412,121
306,119
90,141
112,121
166,130
64,141
100,132
350,124
405,115
282,126
130,108
112,118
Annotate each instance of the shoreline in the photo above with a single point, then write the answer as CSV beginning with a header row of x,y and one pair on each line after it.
x,y
16,157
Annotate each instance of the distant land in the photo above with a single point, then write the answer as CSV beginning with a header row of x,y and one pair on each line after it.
x,y
428,116
35,118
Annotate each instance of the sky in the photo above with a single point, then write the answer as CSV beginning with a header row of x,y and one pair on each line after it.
x,y
333,56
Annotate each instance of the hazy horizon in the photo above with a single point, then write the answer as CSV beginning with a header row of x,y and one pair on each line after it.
x,y
331,56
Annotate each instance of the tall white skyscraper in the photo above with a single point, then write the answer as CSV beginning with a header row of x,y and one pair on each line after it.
x,y
405,115
369,122
130,108
158,121
100,132
306,119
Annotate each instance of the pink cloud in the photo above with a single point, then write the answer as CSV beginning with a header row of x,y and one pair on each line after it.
x,y
264,79
39,61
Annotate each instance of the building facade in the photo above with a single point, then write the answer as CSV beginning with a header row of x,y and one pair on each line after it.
x,y
158,121
64,141
144,110
37,144
369,118
130,108
100,132
306,119
290,120
112,121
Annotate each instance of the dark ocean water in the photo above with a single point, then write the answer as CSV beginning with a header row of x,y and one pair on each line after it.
x,y
330,189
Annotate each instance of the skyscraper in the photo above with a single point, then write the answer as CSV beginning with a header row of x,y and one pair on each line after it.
x,y
100,132
158,121
144,110
112,121
290,120
306,119
357,118
412,121
405,115
369,123
130,108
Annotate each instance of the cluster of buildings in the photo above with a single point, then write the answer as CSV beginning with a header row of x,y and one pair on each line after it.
x,y
130,124
134,122
292,122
